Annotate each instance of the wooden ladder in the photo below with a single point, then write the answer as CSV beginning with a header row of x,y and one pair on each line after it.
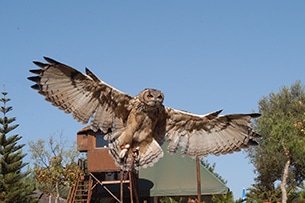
x,y
81,191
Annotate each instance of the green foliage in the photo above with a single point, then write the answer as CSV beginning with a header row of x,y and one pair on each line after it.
x,y
260,193
280,112
55,166
13,187
228,198
172,200
42,151
301,194
218,198
211,168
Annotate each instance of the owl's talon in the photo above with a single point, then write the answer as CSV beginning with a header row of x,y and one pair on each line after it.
x,y
136,149
124,151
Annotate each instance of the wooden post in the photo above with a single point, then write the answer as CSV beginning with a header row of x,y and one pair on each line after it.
x,y
90,182
198,178
121,185
130,186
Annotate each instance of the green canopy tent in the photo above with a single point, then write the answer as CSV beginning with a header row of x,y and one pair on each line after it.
x,y
174,175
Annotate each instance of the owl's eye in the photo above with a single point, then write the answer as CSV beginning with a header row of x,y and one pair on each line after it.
x,y
149,96
160,97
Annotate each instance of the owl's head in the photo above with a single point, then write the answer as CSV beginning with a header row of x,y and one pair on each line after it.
x,y
151,97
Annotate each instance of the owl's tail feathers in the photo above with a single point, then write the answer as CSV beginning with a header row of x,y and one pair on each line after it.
x,y
141,156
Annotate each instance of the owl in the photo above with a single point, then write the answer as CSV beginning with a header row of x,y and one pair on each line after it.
x,y
136,126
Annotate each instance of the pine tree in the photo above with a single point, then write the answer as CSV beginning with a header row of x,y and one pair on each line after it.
x,y
12,186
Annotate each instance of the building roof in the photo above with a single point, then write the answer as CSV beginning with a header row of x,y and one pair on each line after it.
x,y
174,175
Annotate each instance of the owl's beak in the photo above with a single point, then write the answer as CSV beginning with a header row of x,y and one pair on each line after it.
x,y
155,100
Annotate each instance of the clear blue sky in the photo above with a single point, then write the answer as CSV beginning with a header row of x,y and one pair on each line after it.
x,y
204,55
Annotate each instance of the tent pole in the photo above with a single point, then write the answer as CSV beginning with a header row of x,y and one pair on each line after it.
x,y
198,178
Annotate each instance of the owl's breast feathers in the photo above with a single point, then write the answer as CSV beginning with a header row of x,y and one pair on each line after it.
x,y
144,130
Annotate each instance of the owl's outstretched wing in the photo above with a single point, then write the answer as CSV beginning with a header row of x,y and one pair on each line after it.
x,y
208,134
83,95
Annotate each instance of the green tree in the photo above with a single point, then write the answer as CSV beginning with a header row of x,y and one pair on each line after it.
x,y
280,157
228,197
55,166
12,186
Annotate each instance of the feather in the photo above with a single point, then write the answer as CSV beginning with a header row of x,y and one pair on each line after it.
x,y
76,93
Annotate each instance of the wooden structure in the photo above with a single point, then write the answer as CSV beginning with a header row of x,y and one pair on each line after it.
x,y
101,178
